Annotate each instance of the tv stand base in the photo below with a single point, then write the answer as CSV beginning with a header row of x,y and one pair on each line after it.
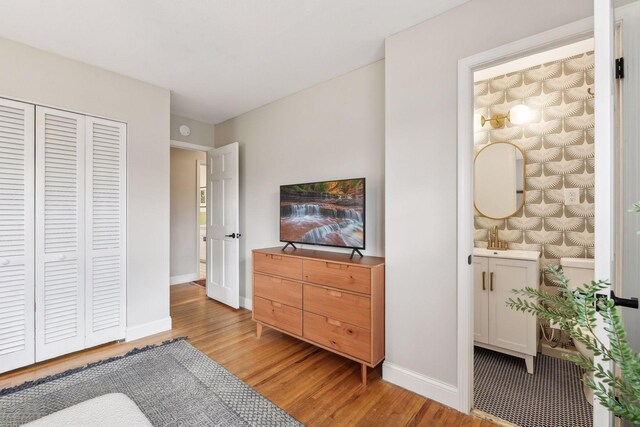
x,y
354,252
289,243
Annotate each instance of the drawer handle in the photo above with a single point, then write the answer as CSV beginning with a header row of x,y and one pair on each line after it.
x,y
484,287
332,265
491,281
349,331
334,322
276,304
334,294
276,280
276,257
333,343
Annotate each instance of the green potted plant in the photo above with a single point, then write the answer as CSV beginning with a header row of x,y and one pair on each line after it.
x,y
575,313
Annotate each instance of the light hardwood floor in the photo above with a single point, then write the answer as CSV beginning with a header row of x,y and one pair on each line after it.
x,y
314,385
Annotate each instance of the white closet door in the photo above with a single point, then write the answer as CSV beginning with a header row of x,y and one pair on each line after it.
x,y
106,231
60,295
16,235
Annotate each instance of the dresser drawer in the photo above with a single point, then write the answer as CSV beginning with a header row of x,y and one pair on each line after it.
x,y
279,315
340,336
343,276
276,289
353,309
278,265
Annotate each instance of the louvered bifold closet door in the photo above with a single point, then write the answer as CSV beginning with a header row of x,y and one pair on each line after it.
x,y
106,230
60,295
16,235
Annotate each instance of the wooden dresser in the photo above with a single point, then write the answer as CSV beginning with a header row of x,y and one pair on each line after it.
x,y
323,298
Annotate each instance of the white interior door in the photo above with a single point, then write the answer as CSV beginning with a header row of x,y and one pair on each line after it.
x,y
627,283
105,267
59,219
17,340
628,159
223,228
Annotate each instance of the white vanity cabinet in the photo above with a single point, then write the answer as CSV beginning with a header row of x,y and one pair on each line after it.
x,y
496,326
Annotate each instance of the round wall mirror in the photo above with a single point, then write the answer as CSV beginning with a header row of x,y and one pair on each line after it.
x,y
499,180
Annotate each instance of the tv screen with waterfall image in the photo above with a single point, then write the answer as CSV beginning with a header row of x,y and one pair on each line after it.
x,y
328,213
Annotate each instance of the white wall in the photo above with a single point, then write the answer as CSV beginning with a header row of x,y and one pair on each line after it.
x,y
201,133
330,131
184,194
420,155
36,76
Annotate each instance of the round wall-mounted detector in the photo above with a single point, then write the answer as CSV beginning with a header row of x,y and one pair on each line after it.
x,y
185,130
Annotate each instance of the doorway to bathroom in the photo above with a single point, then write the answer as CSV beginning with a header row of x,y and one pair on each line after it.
x,y
533,175
527,110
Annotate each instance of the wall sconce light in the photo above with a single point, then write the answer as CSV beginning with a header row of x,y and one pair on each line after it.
x,y
518,115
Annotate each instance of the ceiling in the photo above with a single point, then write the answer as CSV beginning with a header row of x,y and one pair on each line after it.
x,y
219,58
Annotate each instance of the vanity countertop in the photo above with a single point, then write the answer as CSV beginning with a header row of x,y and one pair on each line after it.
x,y
508,254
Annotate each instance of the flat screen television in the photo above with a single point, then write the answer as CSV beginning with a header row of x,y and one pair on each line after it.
x,y
327,213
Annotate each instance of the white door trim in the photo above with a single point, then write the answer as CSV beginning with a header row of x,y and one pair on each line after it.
x,y
190,146
198,254
556,37
604,35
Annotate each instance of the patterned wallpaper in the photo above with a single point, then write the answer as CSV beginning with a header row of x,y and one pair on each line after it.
x,y
558,144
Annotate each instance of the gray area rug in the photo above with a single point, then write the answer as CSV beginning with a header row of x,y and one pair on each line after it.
x,y
551,397
173,384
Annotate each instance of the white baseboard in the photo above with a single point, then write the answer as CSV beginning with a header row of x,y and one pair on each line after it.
x,y
184,278
246,303
146,329
428,387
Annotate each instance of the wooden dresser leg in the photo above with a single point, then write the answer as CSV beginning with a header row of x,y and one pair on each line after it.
x,y
258,330
363,373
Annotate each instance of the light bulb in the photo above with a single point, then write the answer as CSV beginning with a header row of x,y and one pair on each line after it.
x,y
477,122
520,114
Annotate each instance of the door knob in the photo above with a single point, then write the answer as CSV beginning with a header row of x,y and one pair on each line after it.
x,y
624,302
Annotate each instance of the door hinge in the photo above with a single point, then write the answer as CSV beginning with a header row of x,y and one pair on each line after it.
x,y
620,68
